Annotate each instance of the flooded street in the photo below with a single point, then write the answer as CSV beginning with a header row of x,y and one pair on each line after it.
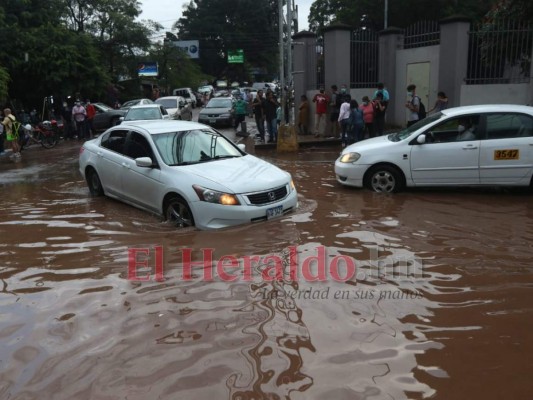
x,y
441,306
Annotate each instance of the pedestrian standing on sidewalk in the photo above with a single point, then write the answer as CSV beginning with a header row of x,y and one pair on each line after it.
x,y
11,137
368,116
303,115
259,114
79,115
91,112
335,102
321,101
379,114
344,121
271,106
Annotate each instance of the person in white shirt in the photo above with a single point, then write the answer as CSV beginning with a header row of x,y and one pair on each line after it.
x,y
344,120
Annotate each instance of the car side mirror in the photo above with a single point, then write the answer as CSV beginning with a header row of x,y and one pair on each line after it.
x,y
241,146
144,162
421,139
121,119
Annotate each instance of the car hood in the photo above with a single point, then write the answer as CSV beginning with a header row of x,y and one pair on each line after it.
x,y
215,110
239,175
370,144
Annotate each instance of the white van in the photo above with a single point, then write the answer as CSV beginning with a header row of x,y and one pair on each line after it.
x,y
187,94
264,86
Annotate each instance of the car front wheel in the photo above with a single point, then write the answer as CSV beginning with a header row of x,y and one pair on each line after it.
x,y
178,213
384,179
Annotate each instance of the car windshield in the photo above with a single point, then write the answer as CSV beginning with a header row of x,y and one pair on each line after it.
x,y
168,103
405,133
193,147
142,113
219,103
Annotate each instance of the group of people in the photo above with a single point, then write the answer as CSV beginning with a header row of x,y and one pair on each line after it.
x,y
78,121
350,121
266,109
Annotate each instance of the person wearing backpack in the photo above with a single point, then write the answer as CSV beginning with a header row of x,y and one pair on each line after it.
x,y
413,104
11,126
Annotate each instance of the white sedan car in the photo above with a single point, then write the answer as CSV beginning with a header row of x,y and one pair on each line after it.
x,y
472,145
187,172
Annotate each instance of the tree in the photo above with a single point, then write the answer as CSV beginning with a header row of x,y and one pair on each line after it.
x,y
222,25
401,14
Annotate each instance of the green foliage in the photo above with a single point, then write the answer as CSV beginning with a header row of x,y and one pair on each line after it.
x,y
401,14
69,47
222,25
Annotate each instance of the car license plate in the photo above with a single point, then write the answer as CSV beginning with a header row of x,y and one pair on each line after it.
x,y
512,154
212,121
274,212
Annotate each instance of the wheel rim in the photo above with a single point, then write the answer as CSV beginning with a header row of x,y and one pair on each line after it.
x,y
383,181
178,214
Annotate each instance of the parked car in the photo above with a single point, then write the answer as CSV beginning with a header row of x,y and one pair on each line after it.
x,y
106,116
186,172
187,94
176,107
136,102
472,145
218,111
146,112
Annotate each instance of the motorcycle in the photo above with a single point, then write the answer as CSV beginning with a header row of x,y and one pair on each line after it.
x,y
46,133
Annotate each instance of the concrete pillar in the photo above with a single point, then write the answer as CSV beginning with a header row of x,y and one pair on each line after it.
x,y
337,38
390,41
453,58
304,58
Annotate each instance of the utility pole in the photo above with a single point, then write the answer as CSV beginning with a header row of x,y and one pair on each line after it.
x,y
287,137
386,16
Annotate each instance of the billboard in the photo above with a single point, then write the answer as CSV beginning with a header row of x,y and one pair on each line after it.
x,y
236,56
148,68
190,47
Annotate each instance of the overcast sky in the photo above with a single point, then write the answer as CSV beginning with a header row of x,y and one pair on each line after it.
x,y
166,12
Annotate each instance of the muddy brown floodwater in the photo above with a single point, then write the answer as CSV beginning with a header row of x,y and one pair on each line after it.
x,y
441,306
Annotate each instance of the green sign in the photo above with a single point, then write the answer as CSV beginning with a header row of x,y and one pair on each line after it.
x,y
236,56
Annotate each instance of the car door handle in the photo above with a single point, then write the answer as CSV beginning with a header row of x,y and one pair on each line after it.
x,y
125,165
470,147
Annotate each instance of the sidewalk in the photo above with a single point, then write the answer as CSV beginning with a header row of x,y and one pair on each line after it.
x,y
303,140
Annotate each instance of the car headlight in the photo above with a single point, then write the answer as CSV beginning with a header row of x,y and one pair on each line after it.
x,y
350,157
214,196
292,186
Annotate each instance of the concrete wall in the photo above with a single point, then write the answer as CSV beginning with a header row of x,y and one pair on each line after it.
x,y
518,93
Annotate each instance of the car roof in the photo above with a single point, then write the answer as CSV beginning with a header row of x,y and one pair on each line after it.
x,y
156,126
484,108
145,106
170,98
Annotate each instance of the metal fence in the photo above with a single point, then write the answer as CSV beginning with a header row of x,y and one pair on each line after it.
x,y
421,34
364,58
500,52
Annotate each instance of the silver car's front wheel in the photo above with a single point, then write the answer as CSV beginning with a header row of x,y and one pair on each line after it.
x,y
178,213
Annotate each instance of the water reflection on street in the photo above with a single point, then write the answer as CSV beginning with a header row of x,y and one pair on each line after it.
x,y
441,306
